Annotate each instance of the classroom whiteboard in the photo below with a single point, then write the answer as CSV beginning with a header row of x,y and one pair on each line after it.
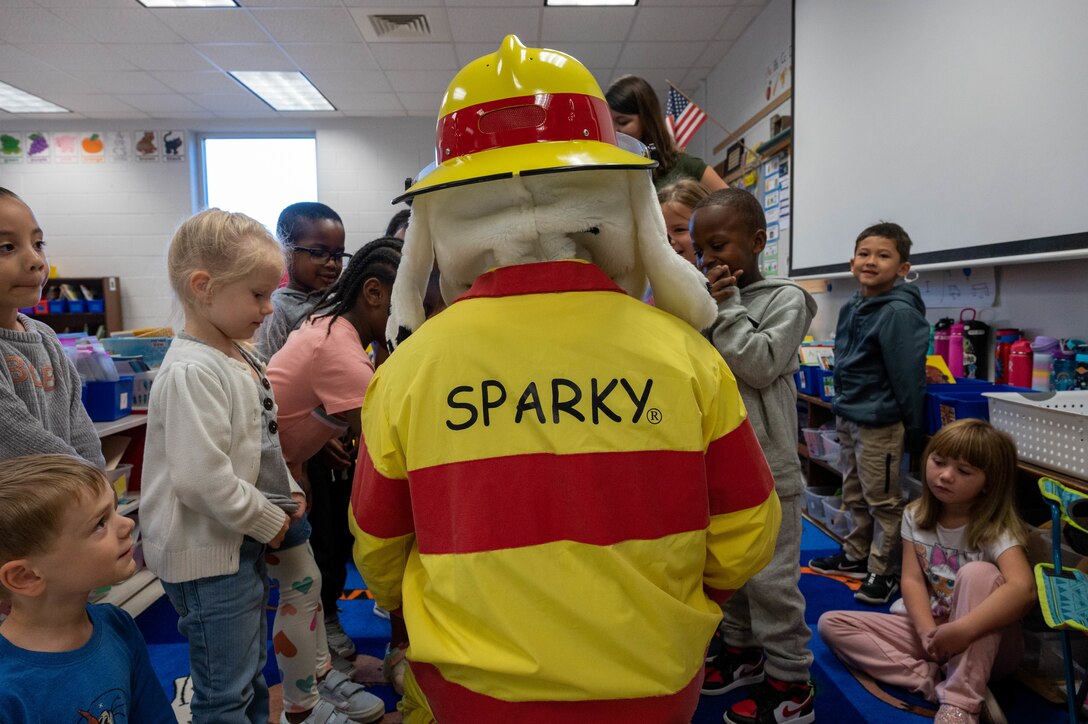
x,y
962,120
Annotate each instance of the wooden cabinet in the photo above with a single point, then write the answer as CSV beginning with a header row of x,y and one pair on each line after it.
x,y
109,319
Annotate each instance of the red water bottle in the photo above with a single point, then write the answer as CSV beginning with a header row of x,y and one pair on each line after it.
x,y
1020,363
1005,338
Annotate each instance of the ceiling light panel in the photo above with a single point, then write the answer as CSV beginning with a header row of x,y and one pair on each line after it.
x,y
589,3
14,100
188,3
284,90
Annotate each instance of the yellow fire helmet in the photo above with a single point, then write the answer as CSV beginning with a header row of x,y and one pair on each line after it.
x,y
522,111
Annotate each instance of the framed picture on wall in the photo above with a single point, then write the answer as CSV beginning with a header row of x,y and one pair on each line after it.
x,y
734,157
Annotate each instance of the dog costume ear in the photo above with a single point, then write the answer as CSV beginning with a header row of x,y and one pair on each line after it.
x,y
679,288
409,288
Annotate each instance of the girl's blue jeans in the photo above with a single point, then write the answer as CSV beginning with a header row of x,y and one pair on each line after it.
x,y
224,619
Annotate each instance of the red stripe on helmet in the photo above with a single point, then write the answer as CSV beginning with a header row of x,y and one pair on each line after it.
x,y
523,120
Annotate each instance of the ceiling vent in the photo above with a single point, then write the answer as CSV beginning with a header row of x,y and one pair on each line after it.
x,y
400,27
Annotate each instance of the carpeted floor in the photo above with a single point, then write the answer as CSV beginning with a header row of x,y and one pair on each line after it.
x,y
840,698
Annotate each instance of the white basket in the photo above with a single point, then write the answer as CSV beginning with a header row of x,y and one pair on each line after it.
x,y
1050,429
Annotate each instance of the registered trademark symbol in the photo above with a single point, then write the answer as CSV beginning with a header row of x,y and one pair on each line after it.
x,y
653,415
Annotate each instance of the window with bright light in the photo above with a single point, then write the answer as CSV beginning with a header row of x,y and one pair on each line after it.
x,y
259,176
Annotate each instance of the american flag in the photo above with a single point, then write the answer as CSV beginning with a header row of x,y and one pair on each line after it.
x,y
682,117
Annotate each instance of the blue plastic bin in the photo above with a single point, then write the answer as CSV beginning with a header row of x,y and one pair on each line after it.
x,y
77,306
57,306
96,306
107,401
808,380
825,384
948,403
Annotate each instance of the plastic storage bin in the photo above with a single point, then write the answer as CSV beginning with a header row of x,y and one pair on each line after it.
x,y
107,401
141,390
77,306
96,306
825,384
814,441
840,522
808,380
814,503
1050,429
910,487
948,403
57,306
831,445
152,349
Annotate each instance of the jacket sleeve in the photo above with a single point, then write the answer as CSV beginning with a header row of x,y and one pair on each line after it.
x,y
904,338
760,354
197,425
381,505
744,510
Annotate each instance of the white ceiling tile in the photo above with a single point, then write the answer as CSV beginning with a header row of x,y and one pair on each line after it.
x,y
384,5
361,81
120,116
36,25
662,55
331,56
738,22
13,59
678,24
713,53
417,81
213,25
265,112
158,103
656,77
122,81
585,24
93,103
693,3
229,102
288,3
416,56
81,3
198,81
504,4
480,25
316,25
355,102
468,52
162,56
135,24
246,56
597,55
46,83
427,103
69,56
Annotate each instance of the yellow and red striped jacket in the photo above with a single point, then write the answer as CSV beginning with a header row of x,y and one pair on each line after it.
x,y
558,487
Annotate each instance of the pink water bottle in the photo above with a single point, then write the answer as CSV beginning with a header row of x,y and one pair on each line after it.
x,y
940,337
1020,363
955,350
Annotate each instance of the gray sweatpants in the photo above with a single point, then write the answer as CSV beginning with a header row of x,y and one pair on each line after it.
x,y
769,610
870,458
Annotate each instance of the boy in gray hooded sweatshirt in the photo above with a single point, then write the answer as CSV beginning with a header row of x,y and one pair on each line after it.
x,y
761,323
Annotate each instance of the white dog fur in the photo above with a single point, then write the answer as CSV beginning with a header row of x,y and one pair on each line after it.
x,y
547,217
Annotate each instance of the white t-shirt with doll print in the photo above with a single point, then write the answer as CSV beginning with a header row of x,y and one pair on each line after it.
x,y
941,553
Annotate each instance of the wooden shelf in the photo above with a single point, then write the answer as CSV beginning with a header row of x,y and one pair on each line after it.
x,y
108,289
134,594
814,400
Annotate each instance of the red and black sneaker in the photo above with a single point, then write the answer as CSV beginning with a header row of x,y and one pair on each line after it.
x,y
775,702
732,668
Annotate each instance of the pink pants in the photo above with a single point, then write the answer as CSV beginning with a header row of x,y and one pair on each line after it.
x,y
887,647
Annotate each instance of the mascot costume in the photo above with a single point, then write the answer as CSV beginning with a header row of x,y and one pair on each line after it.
x,y
558,485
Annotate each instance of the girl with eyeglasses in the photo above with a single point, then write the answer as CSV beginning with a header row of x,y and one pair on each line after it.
x,y
312,235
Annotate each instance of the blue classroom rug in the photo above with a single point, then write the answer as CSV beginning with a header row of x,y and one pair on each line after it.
x,y
840,697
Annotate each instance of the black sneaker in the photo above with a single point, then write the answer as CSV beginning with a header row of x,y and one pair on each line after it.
x,y
877,589
840,565
732,668
775,702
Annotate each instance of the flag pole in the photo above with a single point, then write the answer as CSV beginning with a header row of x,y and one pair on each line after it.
x,y
715,120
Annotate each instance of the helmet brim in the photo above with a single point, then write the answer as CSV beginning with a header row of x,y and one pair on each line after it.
x,y
525,160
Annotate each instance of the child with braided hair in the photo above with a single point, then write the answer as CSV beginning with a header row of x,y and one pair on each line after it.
x,y
321,374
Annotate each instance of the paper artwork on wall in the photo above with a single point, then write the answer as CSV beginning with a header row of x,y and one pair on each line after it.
x,y
117,146
147,145
65,147
92,148
38,148
956,288
173,145
12,147
772,232
770,200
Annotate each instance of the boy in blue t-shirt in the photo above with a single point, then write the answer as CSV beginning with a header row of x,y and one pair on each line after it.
x,y
880,361
62,659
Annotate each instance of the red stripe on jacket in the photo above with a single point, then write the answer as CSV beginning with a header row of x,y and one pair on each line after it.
x,y
737,472
382,506
454,704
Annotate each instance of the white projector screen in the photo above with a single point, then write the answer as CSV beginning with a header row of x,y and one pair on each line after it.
x,y
962,120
